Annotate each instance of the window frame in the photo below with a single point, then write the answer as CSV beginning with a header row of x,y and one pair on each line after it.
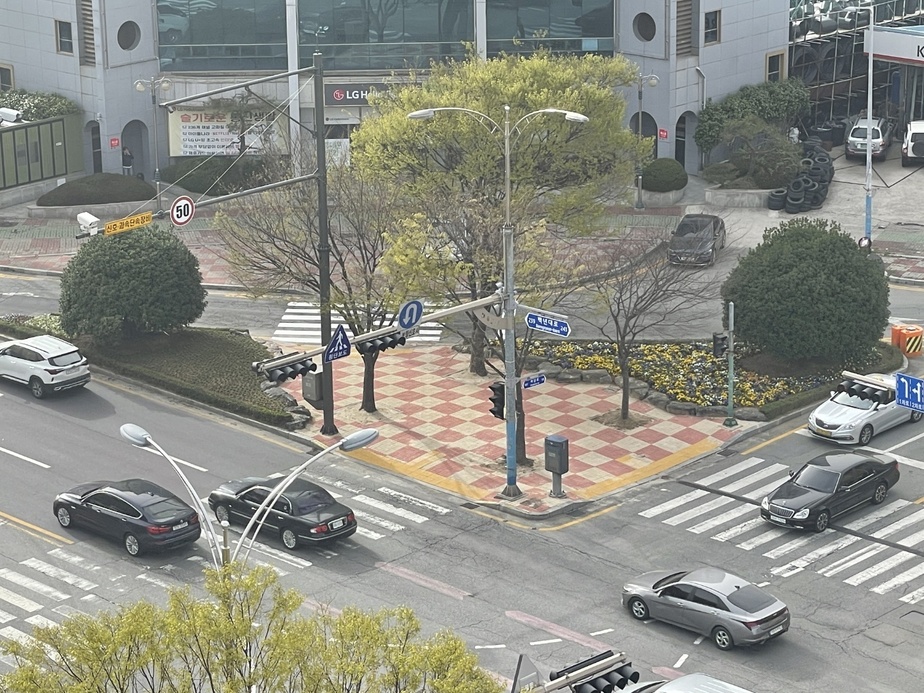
x,y
781,72
60,40
12,81
717,30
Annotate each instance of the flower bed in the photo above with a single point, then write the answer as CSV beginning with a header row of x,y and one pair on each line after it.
x,y
684,371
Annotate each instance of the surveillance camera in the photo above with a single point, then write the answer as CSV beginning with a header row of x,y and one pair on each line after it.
x,y
10,115
88,223
170,109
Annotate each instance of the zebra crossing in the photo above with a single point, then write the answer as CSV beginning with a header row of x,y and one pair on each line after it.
x,y
301,324
44,590
882,552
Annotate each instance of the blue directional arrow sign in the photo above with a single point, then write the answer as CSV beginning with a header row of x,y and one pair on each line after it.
x,y
410,314
543,323
533,380
339,346
909,392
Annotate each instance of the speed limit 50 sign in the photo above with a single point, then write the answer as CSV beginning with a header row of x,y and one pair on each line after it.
x,y
182,210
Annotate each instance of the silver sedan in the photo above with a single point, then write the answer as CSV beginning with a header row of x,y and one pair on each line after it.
x,y
709,601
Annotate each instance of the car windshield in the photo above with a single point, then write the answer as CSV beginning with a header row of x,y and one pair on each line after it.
x,y
859,133
310,501
817,479
668,580
917,136
751,599
165,509
853,402
68,359
688,228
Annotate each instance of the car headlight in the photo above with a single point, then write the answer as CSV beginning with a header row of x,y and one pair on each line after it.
x,y
801,515
849,427
765,503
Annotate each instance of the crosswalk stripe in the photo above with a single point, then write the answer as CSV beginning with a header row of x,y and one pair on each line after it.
x,y
41,621
368,533
730,488
762,539
734,513
11,633
397,495
881,567
743,528
377,521
153,580
73,559
6,617
912,573
34,585
389,508
886,531
18,600
853,559
59,574
913,597
301,323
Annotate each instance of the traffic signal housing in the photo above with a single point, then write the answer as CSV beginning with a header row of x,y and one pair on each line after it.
x,y
498,398
719,344
284,368
388,341
610,680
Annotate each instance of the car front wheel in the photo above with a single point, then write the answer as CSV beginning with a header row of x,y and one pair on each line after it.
x,y
638,609
722,638
880,493
866,435
37,387
821,523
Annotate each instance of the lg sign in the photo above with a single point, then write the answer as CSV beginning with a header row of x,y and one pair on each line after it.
x,y
350,94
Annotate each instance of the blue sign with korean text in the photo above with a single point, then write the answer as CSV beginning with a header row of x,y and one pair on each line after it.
x,y
909,392
543,323
533,380
339,345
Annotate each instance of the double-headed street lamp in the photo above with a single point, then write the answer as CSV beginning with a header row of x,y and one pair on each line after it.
x,y
643,81
511,490
152,85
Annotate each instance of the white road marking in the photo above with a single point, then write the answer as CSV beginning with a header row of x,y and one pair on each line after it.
x,y
863,554
25,459
59,574
913,597
557,630
680,661
762,584
397,495
369,534
907,461
41,621
738,530
423,581
546,642
905,442
602,632
698,640
762,538
389,508
378,521
175,459
259,547
693,495
734,513
66,610
490,647
5,617
153,580
900,579
11,633
730,488
18,600
851,560
34,585
889,563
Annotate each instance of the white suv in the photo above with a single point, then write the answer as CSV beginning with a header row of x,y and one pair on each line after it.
x,y
46,364
913,144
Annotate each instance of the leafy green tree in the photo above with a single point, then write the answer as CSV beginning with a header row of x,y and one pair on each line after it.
x,y
248,634
133,283
452,166
808,292
761,153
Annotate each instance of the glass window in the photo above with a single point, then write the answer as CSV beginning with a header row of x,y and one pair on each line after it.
x,y
311,501
712,33
775,67
817,479
6,78
68,359
256,495
701,596
102,500
751,599
63,30
678,592
852,476
165,509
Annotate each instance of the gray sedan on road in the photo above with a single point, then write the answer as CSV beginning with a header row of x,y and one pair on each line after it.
x,y
726,608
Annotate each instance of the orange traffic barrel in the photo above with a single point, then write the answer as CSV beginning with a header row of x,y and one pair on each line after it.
x,y
911,340
897,335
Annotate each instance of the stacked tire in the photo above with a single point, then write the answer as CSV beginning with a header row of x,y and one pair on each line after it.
x,y
809,189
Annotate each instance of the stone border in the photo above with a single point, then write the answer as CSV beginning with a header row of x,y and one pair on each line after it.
x,y
720,197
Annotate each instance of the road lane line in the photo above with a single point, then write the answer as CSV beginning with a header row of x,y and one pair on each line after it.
x,y
18,600
175,459
557,630
905,442
602,632
389,508
680,661
25,459
397,495
59,574
490,647
423,581
773,440
35,528
546,642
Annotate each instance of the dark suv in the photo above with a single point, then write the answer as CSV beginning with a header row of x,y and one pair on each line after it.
x,y
696,240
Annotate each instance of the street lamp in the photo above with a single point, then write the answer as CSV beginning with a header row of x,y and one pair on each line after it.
x,y
510,304
136,435
651,81
353,441
868,181
152,85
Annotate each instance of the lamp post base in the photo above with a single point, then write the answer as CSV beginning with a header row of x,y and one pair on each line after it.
x,y
730,422
511,491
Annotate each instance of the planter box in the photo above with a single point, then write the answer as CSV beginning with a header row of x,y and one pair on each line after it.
x,y
720,197
665,199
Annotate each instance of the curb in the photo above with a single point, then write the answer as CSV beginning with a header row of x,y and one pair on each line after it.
x,y
57,273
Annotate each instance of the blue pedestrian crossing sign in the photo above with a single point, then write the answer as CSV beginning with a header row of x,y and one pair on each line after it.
x,y
339,345
909,392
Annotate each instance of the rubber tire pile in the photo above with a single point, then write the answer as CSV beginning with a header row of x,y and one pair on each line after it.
x,y
809,188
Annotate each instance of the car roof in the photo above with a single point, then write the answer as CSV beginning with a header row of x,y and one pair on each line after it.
x,y
700,218
863,122
916,126
48,345
139,492
715,579
839,461
699,683
298,487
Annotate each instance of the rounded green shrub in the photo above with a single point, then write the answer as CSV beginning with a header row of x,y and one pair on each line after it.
x,y
216,175
664,175
97,189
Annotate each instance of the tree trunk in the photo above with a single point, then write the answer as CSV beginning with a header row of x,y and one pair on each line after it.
x,y
624,372
476,360
368,403
522,459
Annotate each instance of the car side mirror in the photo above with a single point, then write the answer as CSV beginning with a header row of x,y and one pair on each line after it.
x,y
792,472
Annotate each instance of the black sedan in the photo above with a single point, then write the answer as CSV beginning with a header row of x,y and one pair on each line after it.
x,y
304,513
140,514
827,486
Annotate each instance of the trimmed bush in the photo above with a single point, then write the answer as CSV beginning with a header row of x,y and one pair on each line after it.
x,y
217,175
38,105
100,188
664,175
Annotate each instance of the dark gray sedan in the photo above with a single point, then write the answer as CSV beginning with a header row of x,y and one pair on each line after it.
x,y
709,601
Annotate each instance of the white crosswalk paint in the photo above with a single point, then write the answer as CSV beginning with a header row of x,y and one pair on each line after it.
x,y
738,530
733,487
377,521
853,559
389,508
762,539
41,621
6,617
397,495
369,534
34,585
913,597
734,513
912,573
59,574
73,559
301,323
858,556
11,633
153,580
889,563
67,611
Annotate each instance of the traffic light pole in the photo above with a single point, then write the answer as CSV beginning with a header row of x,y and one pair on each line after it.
x,y
730,418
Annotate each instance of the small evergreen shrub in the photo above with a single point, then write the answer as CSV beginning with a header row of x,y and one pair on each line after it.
x,y
97,189
217,175
37,105
664,175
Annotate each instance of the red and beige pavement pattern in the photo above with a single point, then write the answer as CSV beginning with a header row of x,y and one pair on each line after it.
x,y
435,426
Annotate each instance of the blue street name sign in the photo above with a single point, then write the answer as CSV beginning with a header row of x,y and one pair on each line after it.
x,y
339,346
533,380
543,323
909,392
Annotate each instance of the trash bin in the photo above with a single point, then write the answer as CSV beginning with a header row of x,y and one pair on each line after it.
x,y
911,339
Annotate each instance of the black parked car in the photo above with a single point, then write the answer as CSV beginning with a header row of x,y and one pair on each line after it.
x,y
305,513
696,240
830,485
138,513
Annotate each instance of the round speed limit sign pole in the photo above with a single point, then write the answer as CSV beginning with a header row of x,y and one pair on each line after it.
x,y
182,210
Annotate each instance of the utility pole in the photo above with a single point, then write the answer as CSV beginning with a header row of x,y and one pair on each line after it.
x,y
730,420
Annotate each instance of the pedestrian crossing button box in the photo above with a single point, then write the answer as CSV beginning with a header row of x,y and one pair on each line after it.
x,y
312,390
556,454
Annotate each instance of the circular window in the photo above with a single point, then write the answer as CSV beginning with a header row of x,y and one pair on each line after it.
x,y
129,36
644,26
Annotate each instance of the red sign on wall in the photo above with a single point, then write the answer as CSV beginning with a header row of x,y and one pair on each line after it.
x,y
113,142
662,133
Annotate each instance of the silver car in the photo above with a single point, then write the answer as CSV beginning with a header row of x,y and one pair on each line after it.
x,y
690,683
854,413
709,601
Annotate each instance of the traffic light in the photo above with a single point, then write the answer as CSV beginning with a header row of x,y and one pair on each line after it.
x,y
719,344
498,398
616,674
389,341
284,367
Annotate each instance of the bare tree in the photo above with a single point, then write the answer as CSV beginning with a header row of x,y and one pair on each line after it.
x,y
644,294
